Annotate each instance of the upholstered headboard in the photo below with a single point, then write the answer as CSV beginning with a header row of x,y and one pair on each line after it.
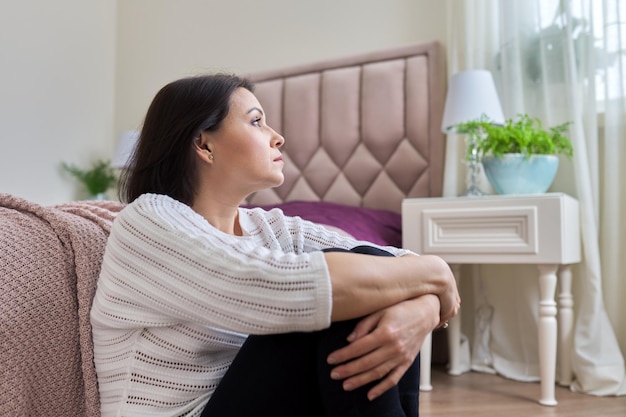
x,y
361,130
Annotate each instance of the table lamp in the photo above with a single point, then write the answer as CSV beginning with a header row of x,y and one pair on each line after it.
x,y
125,146
471,95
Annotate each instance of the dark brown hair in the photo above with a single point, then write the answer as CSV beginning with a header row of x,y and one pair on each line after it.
x,y
164,161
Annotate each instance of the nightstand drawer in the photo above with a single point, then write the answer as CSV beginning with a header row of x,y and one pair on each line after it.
x,y
480,230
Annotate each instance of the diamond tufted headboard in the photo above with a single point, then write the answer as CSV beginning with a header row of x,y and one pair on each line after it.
x,y
361,130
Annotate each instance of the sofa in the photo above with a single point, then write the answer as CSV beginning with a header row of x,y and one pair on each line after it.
x,y
49,265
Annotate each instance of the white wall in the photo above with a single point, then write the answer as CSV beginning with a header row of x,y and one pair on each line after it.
x,y
162,40
56,93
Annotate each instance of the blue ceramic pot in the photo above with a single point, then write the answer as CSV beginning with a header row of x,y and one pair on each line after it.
x,y
520,174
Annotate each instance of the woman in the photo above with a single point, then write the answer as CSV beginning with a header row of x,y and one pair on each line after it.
x,y
187,275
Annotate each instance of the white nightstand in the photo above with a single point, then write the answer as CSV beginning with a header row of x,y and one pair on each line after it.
x,y
541,229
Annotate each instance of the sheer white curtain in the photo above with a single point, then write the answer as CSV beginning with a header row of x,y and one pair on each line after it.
x,y
559,61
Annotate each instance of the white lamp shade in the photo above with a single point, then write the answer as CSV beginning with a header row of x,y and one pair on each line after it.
x,y
471,95
125,146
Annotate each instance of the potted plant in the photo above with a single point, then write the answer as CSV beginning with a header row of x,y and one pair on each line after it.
x,y
97,180
519,157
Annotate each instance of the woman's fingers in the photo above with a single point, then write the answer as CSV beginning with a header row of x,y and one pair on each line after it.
x,y
395,338
381,364
389,382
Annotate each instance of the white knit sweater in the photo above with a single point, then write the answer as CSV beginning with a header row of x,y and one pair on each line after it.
x,y
176,298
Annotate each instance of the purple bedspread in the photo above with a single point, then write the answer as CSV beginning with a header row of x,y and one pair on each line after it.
x,y
382,227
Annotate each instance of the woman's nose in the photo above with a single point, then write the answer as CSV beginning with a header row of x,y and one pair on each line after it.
x,y
279,140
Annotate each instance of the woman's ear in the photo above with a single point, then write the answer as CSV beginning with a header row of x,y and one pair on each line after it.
x,y
202,147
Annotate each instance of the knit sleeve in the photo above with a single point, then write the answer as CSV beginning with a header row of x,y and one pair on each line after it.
x,y
165,264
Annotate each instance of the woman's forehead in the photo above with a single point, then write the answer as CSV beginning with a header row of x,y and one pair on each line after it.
x,y
244,100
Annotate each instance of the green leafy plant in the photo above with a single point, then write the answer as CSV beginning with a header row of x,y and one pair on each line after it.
x,y
97,179
524,135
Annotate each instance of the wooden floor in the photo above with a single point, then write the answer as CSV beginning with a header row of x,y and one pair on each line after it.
x,y
478,394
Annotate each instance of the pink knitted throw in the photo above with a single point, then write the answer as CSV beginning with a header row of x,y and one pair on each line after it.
x,y
50,260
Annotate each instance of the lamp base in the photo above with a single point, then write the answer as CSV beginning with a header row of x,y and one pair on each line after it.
x,y
474,167
472,191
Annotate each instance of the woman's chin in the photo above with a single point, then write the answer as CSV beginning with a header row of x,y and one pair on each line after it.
x,y
279,181
273,182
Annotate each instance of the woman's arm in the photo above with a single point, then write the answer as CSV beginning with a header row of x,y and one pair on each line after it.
x,y
363,284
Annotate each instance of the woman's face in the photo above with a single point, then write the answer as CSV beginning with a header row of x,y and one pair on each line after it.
x,y
245,149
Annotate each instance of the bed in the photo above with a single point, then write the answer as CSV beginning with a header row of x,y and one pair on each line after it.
x,y
362,133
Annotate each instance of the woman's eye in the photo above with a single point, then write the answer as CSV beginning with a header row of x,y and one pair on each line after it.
x,y
257,121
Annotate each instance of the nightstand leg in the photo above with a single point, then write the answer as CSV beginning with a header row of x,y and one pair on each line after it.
x,y
425,363
454,333
547,332
566,325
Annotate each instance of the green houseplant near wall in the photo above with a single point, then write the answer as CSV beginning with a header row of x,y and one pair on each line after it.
x,y
519,157
97,179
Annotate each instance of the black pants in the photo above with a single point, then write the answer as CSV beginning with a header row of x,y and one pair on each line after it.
x,y
286,375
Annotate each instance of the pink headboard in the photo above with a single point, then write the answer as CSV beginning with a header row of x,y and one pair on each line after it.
x,y
362,130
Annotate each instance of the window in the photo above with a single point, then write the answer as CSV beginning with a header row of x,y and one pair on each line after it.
x,y
599,25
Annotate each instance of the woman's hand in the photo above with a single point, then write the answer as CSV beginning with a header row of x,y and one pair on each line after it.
x,y
384,344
